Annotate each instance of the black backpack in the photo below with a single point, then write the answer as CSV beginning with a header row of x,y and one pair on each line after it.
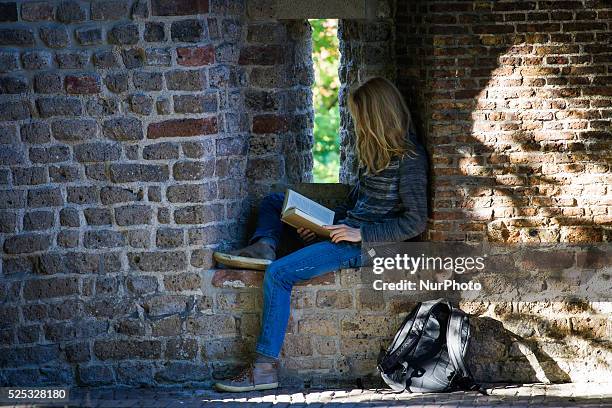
x,y
428,351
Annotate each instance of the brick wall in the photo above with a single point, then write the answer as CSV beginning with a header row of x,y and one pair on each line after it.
x,y
513,99
134,135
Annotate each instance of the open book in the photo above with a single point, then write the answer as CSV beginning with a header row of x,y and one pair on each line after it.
x,y
299,211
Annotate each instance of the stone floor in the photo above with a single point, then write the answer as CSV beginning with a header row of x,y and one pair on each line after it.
x,y
533,395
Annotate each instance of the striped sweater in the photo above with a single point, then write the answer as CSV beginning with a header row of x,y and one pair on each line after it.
x,y
389,206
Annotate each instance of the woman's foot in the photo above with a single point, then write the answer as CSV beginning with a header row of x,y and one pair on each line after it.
x,y
258,250
255,256
257,376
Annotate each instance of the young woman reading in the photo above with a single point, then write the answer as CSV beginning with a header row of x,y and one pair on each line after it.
x,y
388,204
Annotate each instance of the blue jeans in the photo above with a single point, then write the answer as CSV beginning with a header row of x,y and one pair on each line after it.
x,y
280,276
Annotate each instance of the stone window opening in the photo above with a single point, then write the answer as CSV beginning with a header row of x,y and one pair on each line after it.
x,y
325,60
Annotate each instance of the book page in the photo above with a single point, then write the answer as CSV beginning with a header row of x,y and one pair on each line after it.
x,y
308,206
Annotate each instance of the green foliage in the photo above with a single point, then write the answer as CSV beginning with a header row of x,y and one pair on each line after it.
x,y
326,59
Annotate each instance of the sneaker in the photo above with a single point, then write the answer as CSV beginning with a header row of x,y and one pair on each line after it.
x,y
255,377
255,256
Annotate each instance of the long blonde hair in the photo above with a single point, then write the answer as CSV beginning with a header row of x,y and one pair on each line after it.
x,y
382,119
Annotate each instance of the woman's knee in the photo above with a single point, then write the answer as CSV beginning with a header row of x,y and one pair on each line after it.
x,y
277,274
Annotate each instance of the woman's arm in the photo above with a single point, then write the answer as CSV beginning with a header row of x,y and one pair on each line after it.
x,y
413,194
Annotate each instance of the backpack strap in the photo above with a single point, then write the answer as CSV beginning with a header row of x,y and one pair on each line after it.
x,y
407,333
463,377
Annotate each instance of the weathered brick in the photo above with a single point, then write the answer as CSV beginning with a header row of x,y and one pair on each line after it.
x,y
14,110
181,349
69,217
97,216
195,56
88,35
323,325
179,7
68,239
8,134
182,128
191,193
82,84
13,85
133,215
26,243
82,194
103,239
38,220
125,173
161,151
52,154
141,104
116,83
169,238
127,349
97,152
54,36
63,173
29,175
193,170
107,59
8,61
45,197
46,82
114,195
196,150
77,353
148,81
123,128
261,55
196,103
8,221
230,146
133,58
10,156
154,32
17,36
70,12
36,11
237,278
141,284
160,57
211,325
123,34
196,214
158,261
185,80
72,59
264,169
102,106
140,10
74,129
35,133
270,124
59,106
337,299
109,10
35,60
202,258
182,371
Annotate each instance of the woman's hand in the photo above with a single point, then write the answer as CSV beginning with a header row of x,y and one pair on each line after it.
x,y
307,235
342,232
